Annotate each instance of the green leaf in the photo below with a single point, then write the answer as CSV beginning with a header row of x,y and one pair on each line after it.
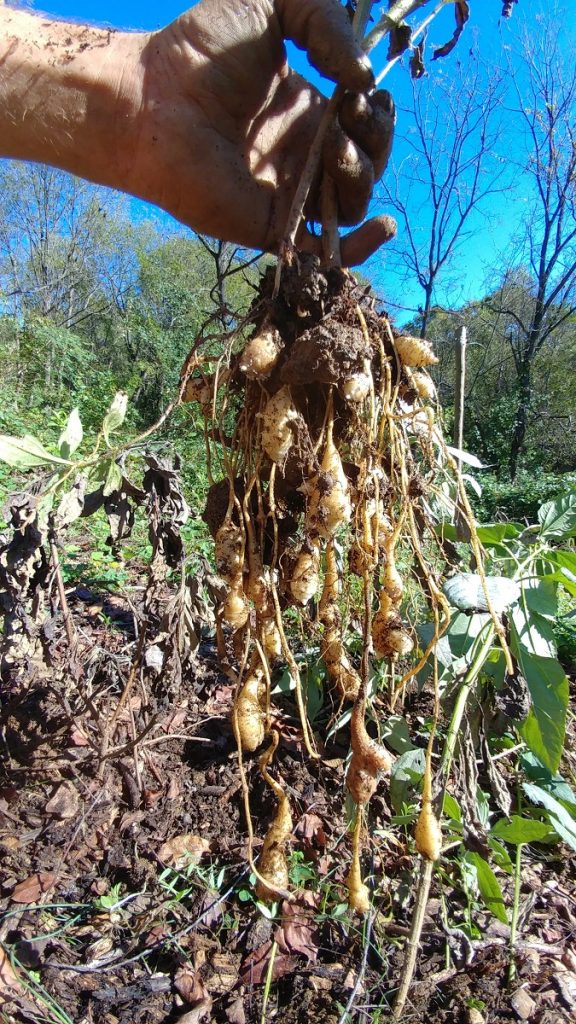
x,y
500,855
396,732
540,597
518,830
552,783
116,415
406,775
72,435
465,591
489,887
467,457
558,518
492,534
564,562
27,451
451,808
534,630
113,481
544,728
560,818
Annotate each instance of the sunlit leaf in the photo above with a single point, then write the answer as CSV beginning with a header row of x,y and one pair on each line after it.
x,y
560,818
492,534
544,728
466,592
116,414
27,451
558,518
71,436
518,830
533,618
489,886
462,456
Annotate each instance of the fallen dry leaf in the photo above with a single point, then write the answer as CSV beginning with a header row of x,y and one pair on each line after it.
x,y
235,1011
8,979
32,888
64,803
523,1004
173,788
197,1014
566,983
255,967
77,736
183,850
298,932
189,985
311,829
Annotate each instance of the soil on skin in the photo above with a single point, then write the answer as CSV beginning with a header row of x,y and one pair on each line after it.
x,y
102,924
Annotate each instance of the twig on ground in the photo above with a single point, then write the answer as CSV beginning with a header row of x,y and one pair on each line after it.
x,y
347,1011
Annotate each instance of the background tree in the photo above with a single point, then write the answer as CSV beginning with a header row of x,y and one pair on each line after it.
x,y
448,169
545,87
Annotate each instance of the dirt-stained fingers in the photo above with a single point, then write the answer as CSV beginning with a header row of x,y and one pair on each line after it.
x,y
358,245
370,122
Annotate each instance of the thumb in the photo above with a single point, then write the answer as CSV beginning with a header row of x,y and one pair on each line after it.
x,y
324,30
359,244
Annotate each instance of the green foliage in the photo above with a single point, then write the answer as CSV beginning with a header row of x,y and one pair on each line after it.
x,y
518,500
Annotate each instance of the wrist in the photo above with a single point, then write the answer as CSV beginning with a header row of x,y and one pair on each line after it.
x,y
70,95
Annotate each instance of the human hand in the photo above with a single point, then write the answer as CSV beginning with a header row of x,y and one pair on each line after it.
x,y
225,126
203,118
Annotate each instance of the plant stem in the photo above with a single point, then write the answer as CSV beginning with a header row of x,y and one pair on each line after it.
x,y
413,940
268,982
418,31
463,695
393,18
515,912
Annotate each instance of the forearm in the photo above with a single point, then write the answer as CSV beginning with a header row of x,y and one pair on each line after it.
x,y
69,95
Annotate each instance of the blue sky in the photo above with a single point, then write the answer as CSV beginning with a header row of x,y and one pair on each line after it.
x,y
486,33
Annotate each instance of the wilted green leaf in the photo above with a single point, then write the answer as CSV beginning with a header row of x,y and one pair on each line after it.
x,y
489,886
113,481
116,414
520,830
71,436
558,518
465,591
27,451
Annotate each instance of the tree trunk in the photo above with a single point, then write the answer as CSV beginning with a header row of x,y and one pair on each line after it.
x,y
459,389
521,418
425,312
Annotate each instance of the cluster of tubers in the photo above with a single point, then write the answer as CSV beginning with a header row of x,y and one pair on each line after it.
x,y
317,424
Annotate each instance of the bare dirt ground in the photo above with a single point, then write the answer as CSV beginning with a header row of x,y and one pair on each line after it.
x,y
125,892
